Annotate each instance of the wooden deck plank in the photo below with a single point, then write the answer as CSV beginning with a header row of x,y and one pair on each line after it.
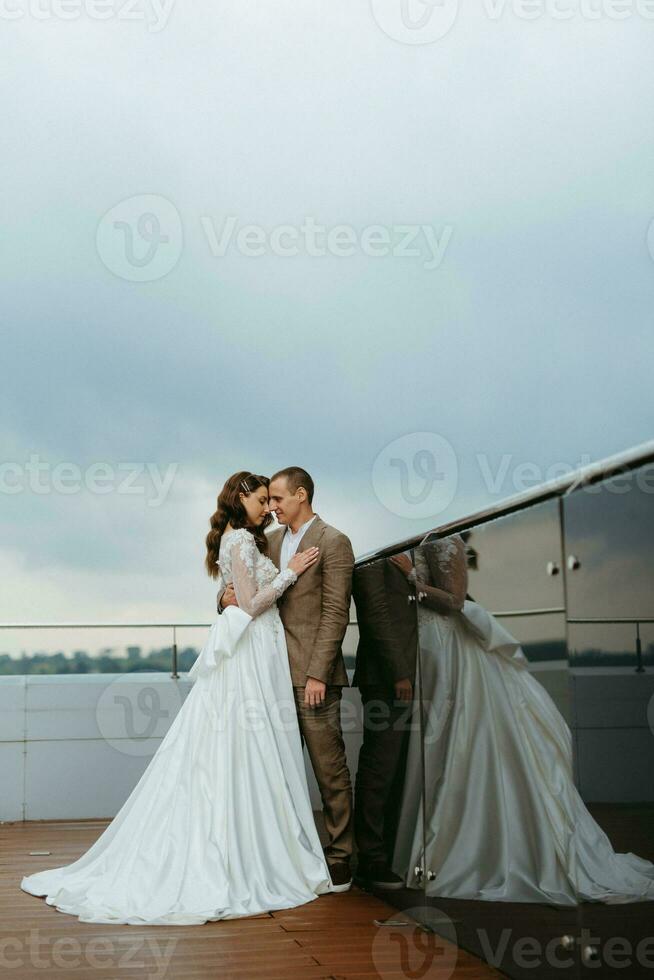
x,y
331,938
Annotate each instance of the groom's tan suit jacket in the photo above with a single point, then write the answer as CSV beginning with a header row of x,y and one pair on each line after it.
x,y
315,610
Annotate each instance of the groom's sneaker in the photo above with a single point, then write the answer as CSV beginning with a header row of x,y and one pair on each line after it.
x,y
341,876
379,875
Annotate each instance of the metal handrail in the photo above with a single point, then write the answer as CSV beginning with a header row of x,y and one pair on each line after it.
x,y
56,626
547,611
174,626
590,620
640,667
623,462
504,614
617,619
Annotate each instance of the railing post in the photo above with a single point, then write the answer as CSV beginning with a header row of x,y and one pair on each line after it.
x,y
175,675
639,651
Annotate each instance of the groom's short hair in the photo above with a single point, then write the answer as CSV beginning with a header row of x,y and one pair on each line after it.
x,y
296,477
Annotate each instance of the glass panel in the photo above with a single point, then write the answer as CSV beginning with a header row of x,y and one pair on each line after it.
x,y
624,646
485,715
609,541
543,640
448,801
609,553
514,562
98,649
388,784
609,547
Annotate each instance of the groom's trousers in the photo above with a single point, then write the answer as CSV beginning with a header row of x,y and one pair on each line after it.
x,y
320,728
380,772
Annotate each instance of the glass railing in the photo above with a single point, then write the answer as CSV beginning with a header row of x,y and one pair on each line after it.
x,y
170,656
165,658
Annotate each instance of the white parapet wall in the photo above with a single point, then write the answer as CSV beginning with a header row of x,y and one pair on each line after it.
x,y
73,746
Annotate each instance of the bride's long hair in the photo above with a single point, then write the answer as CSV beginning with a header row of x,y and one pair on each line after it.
x,y
230,510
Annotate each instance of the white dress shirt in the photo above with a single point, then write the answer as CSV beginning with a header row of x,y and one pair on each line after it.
x,y
290,541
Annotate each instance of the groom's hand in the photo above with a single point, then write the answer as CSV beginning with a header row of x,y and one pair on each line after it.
x,y
228,598
403,690
314,692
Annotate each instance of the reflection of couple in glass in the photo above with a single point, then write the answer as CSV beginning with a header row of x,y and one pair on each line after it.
x,y
503,818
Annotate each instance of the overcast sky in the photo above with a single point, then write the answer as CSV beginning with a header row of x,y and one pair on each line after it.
x,y
479,297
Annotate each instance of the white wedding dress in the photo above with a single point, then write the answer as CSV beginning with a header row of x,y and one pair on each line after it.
x,y
220,824
504,820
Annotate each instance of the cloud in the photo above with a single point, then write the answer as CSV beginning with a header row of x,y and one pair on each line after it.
x,y
531,338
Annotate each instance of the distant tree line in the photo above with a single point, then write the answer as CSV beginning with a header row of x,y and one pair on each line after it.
x,y
161,660
106,663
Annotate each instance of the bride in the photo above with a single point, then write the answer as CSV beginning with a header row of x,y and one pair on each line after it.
x,y
220,824
504,821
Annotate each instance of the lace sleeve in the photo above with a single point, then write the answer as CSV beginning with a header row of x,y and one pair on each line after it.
x,y
252,599
444,587
222,585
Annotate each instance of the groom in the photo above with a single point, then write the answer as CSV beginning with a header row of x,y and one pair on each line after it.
x,y
315,612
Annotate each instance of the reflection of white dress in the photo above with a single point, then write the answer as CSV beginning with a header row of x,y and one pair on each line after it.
x,y
220,824
504,820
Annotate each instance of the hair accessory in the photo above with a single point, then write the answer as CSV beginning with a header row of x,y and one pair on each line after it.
x,y
245,486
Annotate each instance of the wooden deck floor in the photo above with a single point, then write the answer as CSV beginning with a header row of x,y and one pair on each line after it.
x,y
334,936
